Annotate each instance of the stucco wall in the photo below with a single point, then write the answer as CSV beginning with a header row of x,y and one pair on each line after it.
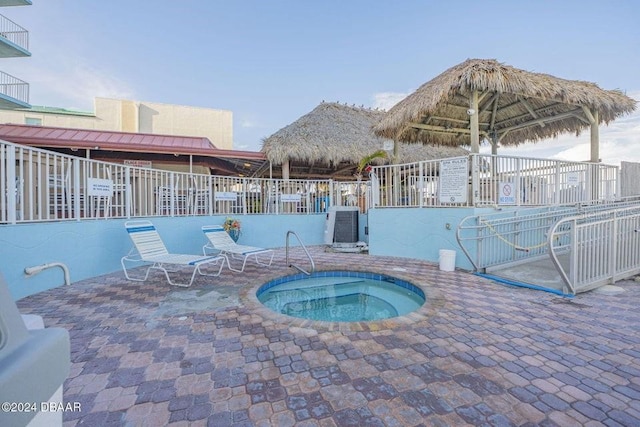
x,y
93,248
418,232
53,120
140,116
167,119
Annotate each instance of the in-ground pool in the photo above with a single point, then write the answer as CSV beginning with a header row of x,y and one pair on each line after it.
x,y
341,296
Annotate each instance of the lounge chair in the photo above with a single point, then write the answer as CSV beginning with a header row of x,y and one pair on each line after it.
x,y
149,248
220,241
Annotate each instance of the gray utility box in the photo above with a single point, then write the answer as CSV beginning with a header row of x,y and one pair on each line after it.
x,y
33,363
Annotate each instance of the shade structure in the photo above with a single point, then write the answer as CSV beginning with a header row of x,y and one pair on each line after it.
x,y
485,99
331,140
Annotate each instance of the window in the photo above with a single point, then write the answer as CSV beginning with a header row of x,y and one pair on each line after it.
x,y
33,121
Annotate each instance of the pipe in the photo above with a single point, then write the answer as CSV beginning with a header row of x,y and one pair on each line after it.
x,y
30,271
522,284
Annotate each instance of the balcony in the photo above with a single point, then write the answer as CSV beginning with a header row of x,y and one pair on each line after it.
x,y
4,3
14,40
14,93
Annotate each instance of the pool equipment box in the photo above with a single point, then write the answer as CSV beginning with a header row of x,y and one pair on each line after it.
x,y
341,226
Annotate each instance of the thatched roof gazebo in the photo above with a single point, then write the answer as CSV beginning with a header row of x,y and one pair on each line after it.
x,y
330,141
480,99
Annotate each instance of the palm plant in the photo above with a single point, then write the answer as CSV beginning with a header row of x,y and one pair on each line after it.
x,y
366,161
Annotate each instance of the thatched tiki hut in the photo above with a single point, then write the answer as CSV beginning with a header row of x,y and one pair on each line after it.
x,y
484,99
330,141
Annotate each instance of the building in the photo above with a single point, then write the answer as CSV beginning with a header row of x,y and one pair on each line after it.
x,y
169,152
120,115
14,43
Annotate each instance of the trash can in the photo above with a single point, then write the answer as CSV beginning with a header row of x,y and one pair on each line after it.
x,y
447,260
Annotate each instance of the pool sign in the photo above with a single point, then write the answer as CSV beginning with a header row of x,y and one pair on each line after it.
x,y
99,187
454,180
290,198
507,194
225,196
573,179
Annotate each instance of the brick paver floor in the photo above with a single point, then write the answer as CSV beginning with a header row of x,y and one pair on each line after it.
x,y
478,353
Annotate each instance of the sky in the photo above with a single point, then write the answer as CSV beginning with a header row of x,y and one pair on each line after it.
x,y
271,62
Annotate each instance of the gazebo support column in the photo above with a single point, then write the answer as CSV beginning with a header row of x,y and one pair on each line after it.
x,y
595,138
473,122
285,169
592,116
494,147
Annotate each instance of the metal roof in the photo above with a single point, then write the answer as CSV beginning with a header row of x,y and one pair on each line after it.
x,y
241,162
42,136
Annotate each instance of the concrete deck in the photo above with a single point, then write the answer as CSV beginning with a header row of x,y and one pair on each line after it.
x,y
478,353
539,272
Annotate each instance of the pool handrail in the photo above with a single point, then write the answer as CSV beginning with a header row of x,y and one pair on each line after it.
x,y
313,265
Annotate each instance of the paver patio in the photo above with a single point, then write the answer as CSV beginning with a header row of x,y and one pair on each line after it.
x,y
478,352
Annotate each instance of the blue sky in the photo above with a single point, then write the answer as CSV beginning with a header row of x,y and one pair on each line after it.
x,y
271,62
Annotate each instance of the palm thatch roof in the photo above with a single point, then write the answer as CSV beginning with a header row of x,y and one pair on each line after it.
x,y
331,140
514,106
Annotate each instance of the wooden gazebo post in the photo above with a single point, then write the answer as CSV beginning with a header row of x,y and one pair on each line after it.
x,y
473,122
593,117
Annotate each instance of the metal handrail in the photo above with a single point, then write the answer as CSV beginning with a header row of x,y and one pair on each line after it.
x,y
601,245
313,265
490,240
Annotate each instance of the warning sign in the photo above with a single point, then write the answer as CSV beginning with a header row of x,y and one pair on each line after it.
x,y
99,187
506,194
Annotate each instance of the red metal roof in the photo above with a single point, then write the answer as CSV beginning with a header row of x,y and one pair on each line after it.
x,y
41,136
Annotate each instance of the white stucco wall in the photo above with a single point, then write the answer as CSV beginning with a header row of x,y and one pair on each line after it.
x,y
123,115
167,119
91,248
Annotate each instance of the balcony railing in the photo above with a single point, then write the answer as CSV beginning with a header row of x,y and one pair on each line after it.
x,y
14,33
13,87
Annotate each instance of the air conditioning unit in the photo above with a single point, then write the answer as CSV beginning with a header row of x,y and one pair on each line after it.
x,y
341,227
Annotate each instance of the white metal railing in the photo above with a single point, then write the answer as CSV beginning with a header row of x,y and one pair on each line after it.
x,y
350,193
602,247
39,185
488,180
13,87
304,248
14,32
503,238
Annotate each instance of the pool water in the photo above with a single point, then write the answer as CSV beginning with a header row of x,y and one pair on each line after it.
x,y
341,296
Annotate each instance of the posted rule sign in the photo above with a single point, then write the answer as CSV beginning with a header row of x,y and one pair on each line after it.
x,y
454,179
506,193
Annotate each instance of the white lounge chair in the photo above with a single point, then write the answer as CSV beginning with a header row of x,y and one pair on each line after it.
x,y
219,240
149,248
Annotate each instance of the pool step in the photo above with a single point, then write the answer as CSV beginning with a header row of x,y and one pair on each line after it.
x,y
315,282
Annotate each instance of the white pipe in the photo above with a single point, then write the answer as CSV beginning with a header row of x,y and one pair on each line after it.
x,y
30,271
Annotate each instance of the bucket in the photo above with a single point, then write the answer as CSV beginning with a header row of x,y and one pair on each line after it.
x,y
447,260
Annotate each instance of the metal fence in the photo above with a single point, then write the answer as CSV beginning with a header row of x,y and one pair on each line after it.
x,y
602,247
39,185
503,238
488,180
590,245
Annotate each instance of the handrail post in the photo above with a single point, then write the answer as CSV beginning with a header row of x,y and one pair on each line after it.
x,y
75,167
475,180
